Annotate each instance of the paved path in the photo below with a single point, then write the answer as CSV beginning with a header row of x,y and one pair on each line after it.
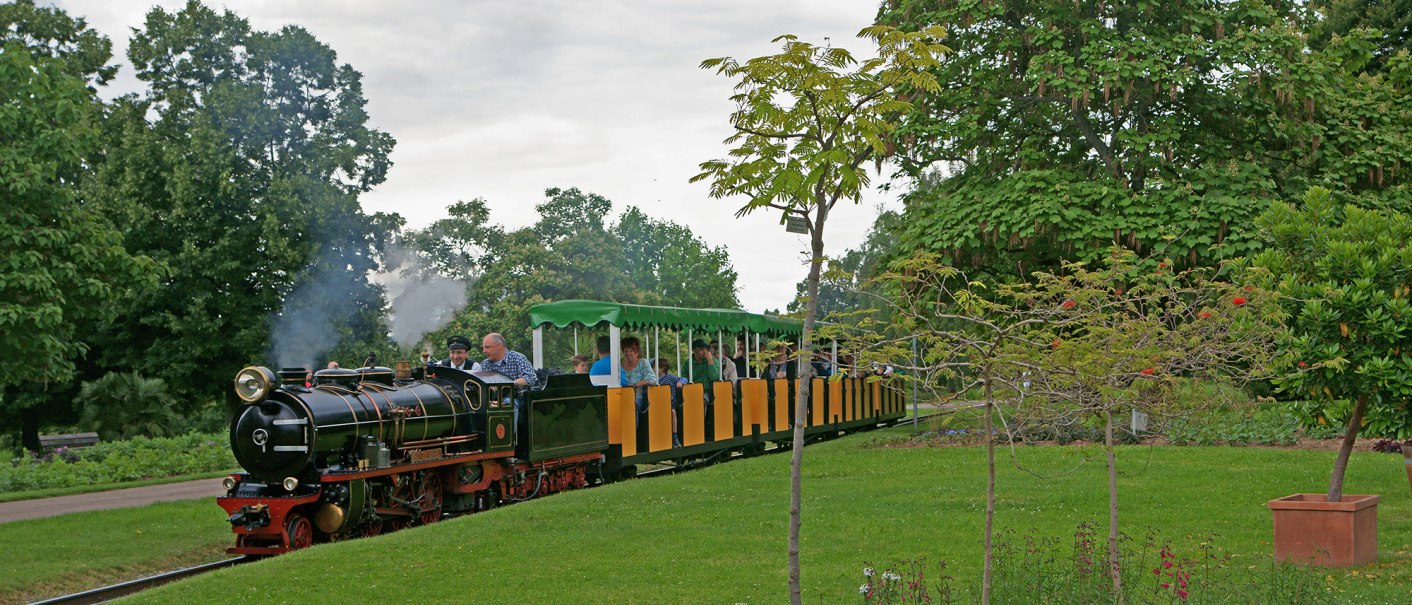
x,y
118,498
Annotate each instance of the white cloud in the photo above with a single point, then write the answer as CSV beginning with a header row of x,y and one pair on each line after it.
x,y
503,100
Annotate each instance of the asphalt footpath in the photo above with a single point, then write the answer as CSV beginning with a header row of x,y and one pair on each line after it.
x,y
118,498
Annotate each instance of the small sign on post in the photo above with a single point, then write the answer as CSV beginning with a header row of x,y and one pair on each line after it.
x,y
794,224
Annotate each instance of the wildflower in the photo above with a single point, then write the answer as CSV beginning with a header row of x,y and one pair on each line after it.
x,y
1181,593
1148,371
1205,314
1166,585
1162,264
1069,304
892,577
863,589
868,572
1239,300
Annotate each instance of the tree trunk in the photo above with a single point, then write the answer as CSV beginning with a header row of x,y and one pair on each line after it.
x,y
29,428
801,404
989,489
1345,449
1114,568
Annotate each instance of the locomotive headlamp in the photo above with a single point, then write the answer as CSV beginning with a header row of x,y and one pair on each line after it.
x,y
228,483
290,483
254,383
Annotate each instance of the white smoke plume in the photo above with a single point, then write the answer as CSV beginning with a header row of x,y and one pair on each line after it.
x,y
422,301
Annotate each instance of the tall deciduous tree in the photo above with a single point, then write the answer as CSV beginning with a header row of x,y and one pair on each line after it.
x,y
807,121
1067,127
244,182
672,266
63,262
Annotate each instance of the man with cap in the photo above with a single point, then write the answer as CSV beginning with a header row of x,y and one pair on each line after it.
x,y
458,350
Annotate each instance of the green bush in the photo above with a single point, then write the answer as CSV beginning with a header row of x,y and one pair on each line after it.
x,y
119,461
124,404
1272,425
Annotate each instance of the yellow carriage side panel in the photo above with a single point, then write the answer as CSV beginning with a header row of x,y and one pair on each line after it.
x,y
693,409
659,418
840,407
753,396
627,412
877,397
724,393
784,406
816,403
725,413
831,409
615,417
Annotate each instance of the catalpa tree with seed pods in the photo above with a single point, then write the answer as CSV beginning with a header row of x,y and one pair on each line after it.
x,y
1118,337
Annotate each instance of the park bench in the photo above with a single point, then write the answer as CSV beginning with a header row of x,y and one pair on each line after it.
x,y
70,440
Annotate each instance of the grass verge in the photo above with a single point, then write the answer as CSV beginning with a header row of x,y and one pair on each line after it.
x,y
103,487
48,557
718,535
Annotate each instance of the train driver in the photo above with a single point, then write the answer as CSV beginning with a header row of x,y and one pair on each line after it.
x,y
457,350
514,365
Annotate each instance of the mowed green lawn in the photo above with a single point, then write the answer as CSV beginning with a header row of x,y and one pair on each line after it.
x,y
717,535
41,558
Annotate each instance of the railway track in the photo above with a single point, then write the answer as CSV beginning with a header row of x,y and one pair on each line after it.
x,y
108,593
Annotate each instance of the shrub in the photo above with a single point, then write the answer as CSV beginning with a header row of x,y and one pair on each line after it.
x,y
119,461
121,405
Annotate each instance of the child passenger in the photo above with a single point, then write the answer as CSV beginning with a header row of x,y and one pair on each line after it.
x,y
666,378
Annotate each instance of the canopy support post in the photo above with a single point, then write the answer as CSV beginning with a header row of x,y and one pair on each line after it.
x,y
539,346
615,335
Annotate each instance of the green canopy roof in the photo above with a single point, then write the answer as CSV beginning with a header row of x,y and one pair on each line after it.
x,y
589,313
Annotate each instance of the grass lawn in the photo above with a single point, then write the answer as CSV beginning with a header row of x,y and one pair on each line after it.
x,y
103,487
42,558
718,535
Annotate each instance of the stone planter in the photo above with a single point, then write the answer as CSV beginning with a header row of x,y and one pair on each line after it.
x,y
1309,529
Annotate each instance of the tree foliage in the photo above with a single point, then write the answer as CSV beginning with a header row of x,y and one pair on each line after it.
x,y
672,266
1066,127
244,184
122,405
63,261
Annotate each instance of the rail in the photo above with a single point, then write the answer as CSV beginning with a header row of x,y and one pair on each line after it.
x,y
108,593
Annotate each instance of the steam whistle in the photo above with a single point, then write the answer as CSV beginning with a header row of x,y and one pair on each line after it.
x,y
372,358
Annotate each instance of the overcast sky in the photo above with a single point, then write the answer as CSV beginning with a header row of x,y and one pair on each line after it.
x,y
502,100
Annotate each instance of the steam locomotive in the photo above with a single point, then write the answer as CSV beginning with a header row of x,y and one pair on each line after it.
x,y
360,452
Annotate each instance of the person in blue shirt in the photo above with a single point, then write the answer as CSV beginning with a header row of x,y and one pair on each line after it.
x,y
604,365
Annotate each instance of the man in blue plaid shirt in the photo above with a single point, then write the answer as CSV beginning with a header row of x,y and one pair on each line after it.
x,y
515,366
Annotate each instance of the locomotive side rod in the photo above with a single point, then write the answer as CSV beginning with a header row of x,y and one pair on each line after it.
x,y
109,593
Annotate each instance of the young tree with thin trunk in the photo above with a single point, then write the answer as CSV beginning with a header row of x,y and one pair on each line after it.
x,y
807,122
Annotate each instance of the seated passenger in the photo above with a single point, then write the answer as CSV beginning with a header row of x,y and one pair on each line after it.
x,y
703,364
742,357
580,364
635,371
602,368
728,369
666,378
782,366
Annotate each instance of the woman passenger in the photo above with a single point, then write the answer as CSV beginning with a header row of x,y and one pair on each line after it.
x,y
636,371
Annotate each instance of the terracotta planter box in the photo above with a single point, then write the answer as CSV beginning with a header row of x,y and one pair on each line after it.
x,y
1309,529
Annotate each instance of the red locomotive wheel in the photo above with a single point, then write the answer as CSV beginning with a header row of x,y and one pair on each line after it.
x,y
299,531
431,498
372,528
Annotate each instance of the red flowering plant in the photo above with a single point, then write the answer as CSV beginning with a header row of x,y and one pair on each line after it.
x,y
1344,278
1126,353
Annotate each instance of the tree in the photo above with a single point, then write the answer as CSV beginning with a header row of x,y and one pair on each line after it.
x,y
1116,337
245,185
1343,276
1391,18
672,265
807,120
1067,127
64,261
